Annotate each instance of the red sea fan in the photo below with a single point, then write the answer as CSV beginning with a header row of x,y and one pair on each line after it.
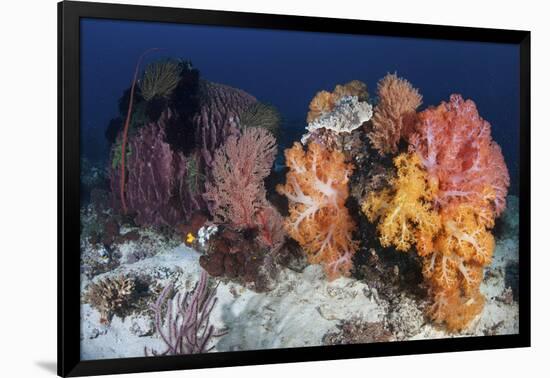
x,y
236,193
457,150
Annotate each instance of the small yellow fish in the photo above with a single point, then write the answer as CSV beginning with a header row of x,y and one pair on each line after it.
x,y
190,238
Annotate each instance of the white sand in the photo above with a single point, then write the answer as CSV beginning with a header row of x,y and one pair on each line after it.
x,y
300,310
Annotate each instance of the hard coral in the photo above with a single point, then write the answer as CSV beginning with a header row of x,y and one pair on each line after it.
x,y
456,148
317,189
395,113
110,295
347,115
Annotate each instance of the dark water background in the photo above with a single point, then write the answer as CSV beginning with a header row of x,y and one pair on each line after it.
x,y
286,69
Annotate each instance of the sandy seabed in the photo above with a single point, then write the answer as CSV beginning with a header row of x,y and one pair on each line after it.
x,y
301,310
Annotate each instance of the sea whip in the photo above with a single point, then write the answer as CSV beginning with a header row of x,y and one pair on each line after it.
x,y
125,132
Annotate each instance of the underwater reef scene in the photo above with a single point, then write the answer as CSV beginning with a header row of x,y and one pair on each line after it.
x,y
210,228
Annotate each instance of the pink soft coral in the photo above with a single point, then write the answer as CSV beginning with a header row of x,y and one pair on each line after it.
x,y
317,189
457,150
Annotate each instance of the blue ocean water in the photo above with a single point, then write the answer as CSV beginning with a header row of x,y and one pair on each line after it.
x,y
287,68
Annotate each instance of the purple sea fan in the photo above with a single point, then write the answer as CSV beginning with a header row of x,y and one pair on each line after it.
x,y
164,185
157,187
236,192
185,326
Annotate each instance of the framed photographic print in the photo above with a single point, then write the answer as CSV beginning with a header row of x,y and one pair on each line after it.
x,y
241,188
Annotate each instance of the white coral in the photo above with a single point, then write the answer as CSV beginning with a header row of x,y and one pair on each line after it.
x,y
348,114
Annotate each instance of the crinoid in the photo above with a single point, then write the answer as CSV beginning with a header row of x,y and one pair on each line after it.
x,y
160,79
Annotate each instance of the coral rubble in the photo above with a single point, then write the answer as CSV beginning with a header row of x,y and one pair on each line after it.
x,y
356,331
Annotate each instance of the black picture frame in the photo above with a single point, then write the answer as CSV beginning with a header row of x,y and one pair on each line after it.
x,y
69,15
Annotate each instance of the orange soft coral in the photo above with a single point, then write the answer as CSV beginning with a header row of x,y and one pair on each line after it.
x,y
454,267
454,242
324,101
317,189
353,88
455,310
395,113
404,211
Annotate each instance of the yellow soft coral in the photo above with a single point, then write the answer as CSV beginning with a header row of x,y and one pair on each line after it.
x,y
324,101
455,242
404,211
317,189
